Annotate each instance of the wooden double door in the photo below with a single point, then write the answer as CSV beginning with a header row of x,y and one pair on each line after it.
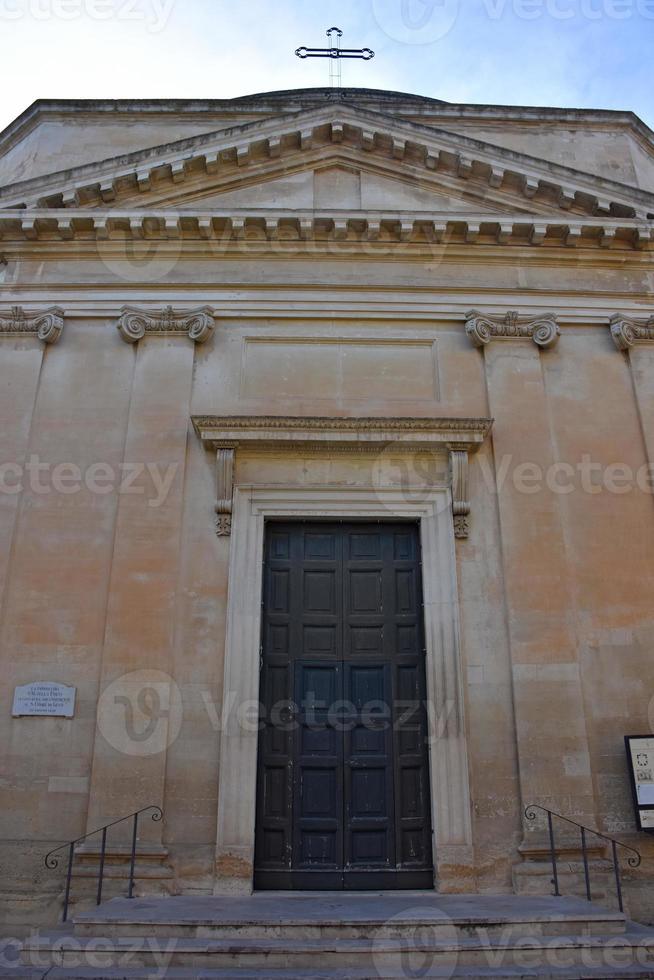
x,y
343,797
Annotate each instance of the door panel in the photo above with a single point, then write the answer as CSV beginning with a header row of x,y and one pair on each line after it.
x,y
368,755
318,792
343,791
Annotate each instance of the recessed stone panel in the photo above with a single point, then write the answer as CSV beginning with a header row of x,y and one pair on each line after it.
x,y
339,369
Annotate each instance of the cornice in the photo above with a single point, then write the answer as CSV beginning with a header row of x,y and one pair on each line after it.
x,y
628,331
46,325
333,422
216,430
406,312
224,229
239,148
265,103
543,328
135,323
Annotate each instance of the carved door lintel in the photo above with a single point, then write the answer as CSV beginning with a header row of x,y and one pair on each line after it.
x,y
457,436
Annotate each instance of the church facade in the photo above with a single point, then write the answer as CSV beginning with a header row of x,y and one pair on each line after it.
x,y
326,492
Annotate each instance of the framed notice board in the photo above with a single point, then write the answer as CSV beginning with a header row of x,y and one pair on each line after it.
x,y
640,758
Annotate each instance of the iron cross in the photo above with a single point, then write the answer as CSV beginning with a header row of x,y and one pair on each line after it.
x,y
335,52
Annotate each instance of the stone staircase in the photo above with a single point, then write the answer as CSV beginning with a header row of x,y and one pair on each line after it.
x,y
153,875
330,936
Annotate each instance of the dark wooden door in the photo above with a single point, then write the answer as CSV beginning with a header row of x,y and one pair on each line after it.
x,y
343,783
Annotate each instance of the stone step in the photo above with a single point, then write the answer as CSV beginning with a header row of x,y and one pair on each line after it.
x,y
464,973
437,973
91,850
535,878
151,881
326,930
382,956
351,916
121,871
337,935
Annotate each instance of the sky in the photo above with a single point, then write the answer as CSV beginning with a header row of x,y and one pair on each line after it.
x,y
574,53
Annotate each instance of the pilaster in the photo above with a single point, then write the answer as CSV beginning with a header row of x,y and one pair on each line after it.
x,y
552,741
635,336
22,339
139,710
21,366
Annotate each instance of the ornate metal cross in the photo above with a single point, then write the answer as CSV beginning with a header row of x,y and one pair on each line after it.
x,y
335,52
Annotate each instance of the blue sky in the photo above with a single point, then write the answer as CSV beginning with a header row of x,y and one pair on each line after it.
x,y
582,53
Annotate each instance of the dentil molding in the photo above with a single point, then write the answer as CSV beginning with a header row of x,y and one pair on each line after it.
x,y
46,325
226,434
542,329
134,323
255,230
627,331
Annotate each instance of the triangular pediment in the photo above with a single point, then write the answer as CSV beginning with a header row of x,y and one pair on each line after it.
x,y
340,183
329,158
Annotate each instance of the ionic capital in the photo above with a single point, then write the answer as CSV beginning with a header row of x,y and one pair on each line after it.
x,y
542,329
627,331
47,325
135,323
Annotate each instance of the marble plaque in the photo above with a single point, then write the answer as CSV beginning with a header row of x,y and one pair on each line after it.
x,y
43,698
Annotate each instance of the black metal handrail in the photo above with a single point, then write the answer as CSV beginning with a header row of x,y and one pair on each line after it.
x,y
52,862
633,861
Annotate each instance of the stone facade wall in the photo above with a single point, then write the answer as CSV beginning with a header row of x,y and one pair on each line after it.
x,y
97,587
555,624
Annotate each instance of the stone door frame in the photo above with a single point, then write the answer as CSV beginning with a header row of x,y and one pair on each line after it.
x,y
449,780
